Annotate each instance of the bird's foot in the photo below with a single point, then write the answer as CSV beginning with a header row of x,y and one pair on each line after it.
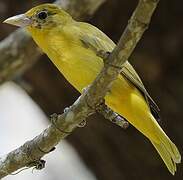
x,y
103,54
82,124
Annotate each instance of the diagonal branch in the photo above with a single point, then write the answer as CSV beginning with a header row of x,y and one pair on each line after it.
x,y
62,125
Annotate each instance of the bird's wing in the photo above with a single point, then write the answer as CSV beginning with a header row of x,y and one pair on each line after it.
x,y
130,74
93,38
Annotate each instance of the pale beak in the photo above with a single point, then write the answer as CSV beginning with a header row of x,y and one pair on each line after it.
x,y
20,20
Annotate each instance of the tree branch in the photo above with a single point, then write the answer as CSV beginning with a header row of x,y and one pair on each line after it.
x,y
62,125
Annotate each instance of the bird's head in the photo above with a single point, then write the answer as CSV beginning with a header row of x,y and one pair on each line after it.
x,y
42,17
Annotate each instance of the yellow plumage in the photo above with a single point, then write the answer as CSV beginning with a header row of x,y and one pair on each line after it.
x,y
72,46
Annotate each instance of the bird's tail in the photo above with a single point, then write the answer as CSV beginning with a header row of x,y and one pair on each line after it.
x,y
167,150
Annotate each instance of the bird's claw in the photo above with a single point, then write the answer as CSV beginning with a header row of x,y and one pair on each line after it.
x,y
103,54
82,124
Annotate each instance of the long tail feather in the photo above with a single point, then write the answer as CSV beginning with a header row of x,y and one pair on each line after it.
x,y
168,151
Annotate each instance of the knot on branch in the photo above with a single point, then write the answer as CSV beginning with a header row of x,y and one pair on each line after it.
x,y
38,164
54,118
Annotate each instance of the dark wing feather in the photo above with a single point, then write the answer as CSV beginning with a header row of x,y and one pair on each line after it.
x,y
129,73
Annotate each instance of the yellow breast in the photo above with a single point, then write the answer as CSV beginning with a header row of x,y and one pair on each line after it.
x,y
79,65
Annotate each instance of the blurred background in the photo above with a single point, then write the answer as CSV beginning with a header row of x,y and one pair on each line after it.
x,y
100,150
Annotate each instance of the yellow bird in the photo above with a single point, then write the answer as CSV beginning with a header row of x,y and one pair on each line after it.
x,y
73,47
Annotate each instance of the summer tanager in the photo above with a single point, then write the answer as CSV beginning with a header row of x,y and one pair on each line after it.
x,y
73,47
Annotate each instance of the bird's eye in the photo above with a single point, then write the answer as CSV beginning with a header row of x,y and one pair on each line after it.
x,y
42,15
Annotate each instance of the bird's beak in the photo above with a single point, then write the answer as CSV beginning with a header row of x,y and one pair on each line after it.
x,y
20,20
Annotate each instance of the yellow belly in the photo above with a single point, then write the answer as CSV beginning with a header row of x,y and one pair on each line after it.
x,y
123,97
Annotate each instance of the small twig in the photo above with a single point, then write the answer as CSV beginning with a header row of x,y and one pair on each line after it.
x,y
112,116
